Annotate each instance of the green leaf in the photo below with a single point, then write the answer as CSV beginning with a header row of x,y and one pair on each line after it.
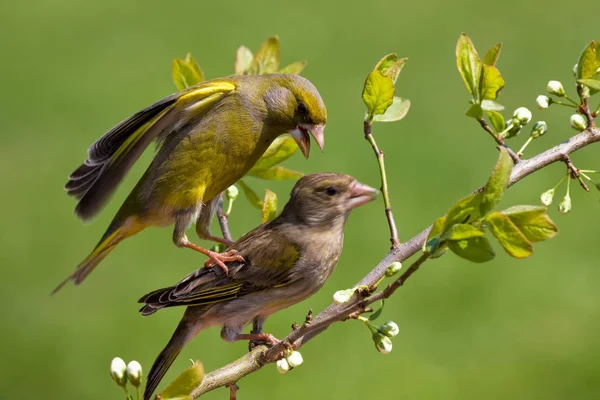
x,y
465,211
475,111
469,65
497,120
491,83
377,313
395,112
461,232
497,183
591,83
491,105
492,55
533,222
378,93
277,174
477,249
391,66
243,60
269,209
266,59
294,68
433,240
589,60
250,195
508,235
186,72
185,383
280,150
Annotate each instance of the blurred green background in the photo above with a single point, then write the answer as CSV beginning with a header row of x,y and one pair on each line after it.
x,y
70,70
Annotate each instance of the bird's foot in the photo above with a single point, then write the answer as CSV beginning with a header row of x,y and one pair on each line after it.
x,y
221,258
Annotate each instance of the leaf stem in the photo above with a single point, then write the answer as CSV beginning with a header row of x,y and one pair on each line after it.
x,y
499,138
569,99
520,152
560,103
384,185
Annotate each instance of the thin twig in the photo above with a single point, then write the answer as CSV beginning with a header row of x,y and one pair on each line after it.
x,y
499,139
261,355
233,388
574,172
584,108
223,220
384,186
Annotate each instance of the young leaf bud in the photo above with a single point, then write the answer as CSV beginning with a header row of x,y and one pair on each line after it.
x,y
389,329
543,102
283,366
393,269
565,205
539,129
295,359
117,371
134,373
578,122
383,344
343,296
514,130
547,197
556,88
522,115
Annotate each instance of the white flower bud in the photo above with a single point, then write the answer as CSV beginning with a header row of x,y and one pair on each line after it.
x,y
294,359
547,197
578,122
389,329
393,269
383,344
539,129
565,205
283,366
543,102
117,371
343,296
134,373
556,88
232,192
522,115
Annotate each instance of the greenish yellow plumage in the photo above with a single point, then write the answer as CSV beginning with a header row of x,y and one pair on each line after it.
x,y
209,136
286,260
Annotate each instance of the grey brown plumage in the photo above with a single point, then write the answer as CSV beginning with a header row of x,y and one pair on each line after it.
x,y
285,261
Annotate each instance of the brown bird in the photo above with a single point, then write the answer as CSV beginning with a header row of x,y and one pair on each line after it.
x,y
286,260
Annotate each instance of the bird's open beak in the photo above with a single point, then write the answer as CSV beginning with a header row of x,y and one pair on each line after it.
x,y
302,137
361,194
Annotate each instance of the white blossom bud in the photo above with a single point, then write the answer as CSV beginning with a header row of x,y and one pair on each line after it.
x,y
543,102
547,197
393,269
117,371
383,344
134,373
343,296
522,115
389,329
556,88
283,366
232,192
565,205
294,359
539,129
578,122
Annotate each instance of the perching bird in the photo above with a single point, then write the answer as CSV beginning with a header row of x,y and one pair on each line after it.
x,y
209,136
286,261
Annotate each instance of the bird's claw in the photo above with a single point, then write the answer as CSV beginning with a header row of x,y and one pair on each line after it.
x,y
221,258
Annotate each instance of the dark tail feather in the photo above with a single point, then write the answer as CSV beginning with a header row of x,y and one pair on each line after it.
x,y
182,335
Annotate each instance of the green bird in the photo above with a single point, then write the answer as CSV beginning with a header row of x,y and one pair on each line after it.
x,y
209,136
286,260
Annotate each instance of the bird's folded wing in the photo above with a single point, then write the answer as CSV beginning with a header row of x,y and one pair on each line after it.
x,y
111,156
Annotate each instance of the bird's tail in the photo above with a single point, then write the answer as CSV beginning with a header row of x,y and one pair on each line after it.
x,y
161,365
113,236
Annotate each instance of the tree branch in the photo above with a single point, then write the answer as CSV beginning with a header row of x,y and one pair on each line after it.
x,y
261,356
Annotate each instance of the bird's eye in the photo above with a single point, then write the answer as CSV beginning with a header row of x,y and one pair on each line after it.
x,y
331,191
302,110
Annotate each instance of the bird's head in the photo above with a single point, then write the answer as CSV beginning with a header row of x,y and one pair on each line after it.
x,y
326,199
296,106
